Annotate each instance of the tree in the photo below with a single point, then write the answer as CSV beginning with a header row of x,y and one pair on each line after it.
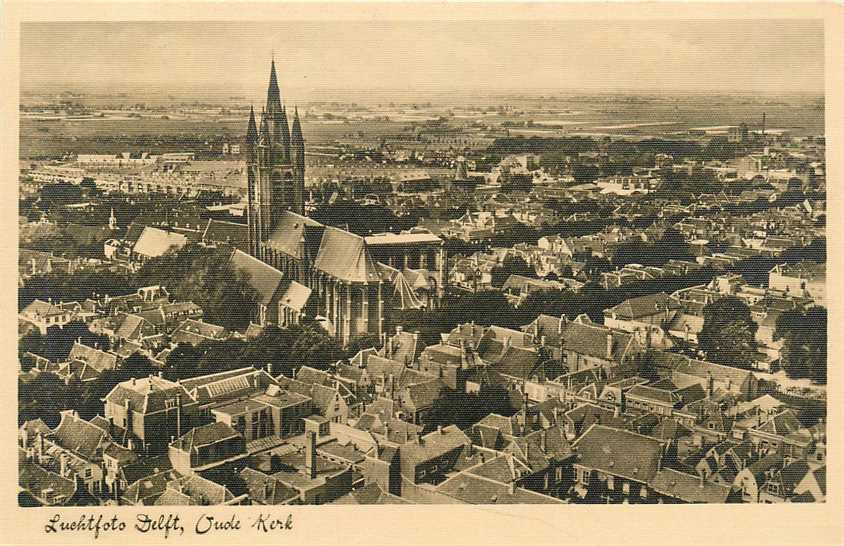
x,y
58,342
206,277
315,348
363,342
44,397
465,409
729,334
585,173
803,354
90,403
512,265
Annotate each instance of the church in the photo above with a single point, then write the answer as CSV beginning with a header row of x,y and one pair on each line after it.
x,y
352,282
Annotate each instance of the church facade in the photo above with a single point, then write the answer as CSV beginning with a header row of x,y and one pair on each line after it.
x,y
353,281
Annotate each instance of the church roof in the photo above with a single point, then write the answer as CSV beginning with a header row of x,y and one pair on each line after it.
x,y
263,278
344,255
291,231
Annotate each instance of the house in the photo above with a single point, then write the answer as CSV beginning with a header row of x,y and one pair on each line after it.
x,y
44,314
673,486
195,490
614,465
149,411
74,450
267,490
47,487
216,446
580,344
371,493
751,480
805,279
141,483
315,479
428,458
155,242
466,488
682,369
795,479
649,315
195,332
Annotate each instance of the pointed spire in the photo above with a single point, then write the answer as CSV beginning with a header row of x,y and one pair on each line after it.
x,y
296,130
273,94
252,128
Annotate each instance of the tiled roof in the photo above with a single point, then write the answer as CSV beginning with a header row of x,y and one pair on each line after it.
x,y
42,309
701,368
583,338
423,395
198,328
473,489
41,483
306,374
517,362
688,488
782,424
205,435
657,395
197,490
644,306
148,394
586,415
370,494
79,436
265,489
155,242
619,452
433,445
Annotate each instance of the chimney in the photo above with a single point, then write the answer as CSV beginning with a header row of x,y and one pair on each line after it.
x,y
161,373
270,368
563,322
439,429
710,383
127,405
179,414
63,465
609,345
310,455
39,445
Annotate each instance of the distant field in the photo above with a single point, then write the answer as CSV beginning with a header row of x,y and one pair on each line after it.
x,y
38,138
551,117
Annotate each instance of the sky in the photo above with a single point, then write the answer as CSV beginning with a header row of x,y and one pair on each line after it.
x,y
316,57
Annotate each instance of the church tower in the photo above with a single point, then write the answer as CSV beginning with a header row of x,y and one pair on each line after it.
x,y
275,167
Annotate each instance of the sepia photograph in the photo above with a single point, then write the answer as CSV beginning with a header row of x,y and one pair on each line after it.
x,y
397,262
